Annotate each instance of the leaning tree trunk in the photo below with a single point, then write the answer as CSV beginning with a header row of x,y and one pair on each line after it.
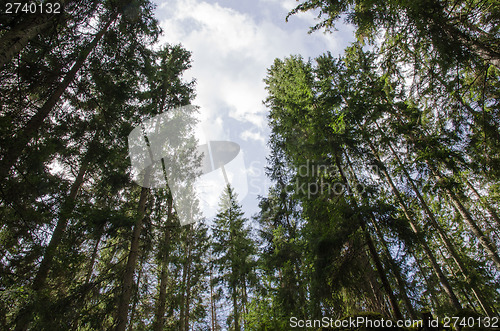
x,y
395,268
95,251
476,47
60,228
25,317
483,239
397,274
135,300
446,265
24,136
90,272
63,218
444,238
488,207
380,269
416,229
13,41
373,252
432,297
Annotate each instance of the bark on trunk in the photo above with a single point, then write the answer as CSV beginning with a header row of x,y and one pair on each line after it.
x,y
235,311
450,247
447,266
187,302
380,269
90,271
213,312
136,297
397,274
186,275
234,293
475,46
58,233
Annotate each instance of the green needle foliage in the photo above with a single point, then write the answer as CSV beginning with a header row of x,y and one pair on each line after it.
x,y
384,162
233,255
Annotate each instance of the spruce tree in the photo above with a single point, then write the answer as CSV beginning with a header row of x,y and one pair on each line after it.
x,y
233,251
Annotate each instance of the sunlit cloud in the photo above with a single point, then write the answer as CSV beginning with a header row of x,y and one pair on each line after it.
x,y
233,44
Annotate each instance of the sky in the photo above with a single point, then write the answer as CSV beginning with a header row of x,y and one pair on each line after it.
x,y
233,43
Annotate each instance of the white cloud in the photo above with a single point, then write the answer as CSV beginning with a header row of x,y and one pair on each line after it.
x,y
233,44
231,53
288,5
251,135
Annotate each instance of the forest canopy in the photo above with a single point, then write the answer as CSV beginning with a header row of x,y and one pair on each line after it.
x,y
384,163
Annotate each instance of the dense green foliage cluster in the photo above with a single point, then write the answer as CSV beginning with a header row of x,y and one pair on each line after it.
x,y
82,246
385,165
385,162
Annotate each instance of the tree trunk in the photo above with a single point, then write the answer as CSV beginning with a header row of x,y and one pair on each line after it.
x,y
136,297
188,292
235,310
397,274
378,303
450,247
395,268
162,296
461,265
186,274
416,229
128,277
449,267
57,235
484,52
433,302
373,251
25,316
490,210
483,239
234,279
21,140
13,41
90,271
100,231
380,269
213,312
244,306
